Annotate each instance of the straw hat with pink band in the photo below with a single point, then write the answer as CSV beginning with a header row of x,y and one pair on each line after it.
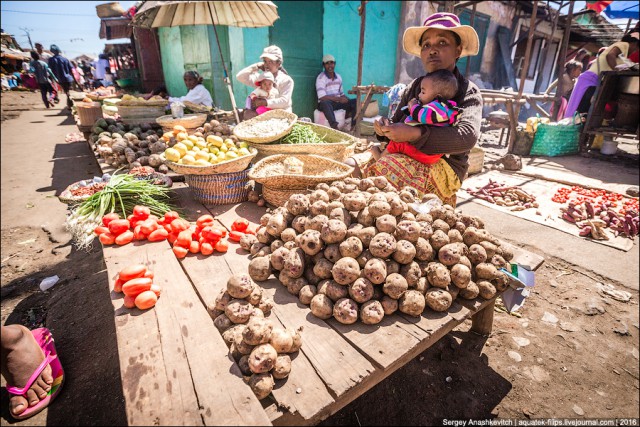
x,y
443,21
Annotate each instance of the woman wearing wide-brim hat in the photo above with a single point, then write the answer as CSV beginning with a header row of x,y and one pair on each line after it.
x,y
439,43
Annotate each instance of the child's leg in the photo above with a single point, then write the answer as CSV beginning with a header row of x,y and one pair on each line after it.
x,y
375,152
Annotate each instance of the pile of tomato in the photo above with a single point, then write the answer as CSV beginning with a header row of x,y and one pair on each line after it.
x,y
204,237
580,194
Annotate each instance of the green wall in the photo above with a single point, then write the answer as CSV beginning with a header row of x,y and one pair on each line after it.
x,y
342,40
172,60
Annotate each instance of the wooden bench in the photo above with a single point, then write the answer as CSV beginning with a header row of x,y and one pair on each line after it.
x,y
176,369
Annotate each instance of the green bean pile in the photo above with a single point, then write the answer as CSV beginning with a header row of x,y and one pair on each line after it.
x,y
301,134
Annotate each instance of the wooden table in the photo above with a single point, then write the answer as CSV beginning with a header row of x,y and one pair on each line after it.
x,y
176,368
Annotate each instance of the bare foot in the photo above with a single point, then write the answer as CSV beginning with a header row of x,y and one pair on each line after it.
x,y
21,356
375,152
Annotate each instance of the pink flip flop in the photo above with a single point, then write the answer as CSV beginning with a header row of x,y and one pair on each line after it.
x,y
45,341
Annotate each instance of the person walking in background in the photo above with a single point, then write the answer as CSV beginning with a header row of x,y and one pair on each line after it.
x,y
44,56
100,66
43,75
331,96
78,75
61,67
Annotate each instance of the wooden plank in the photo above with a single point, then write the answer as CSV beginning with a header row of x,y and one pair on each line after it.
x,y
226,214
522,257
190,354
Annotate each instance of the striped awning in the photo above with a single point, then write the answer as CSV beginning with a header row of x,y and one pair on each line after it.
x,y
250,14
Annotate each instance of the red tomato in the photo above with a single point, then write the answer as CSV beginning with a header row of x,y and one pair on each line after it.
x,y
118,226
124,238
141,212
194,247
107,238
179,225
235,235
180,252
250,231
240,224
109,217
117,286
148,226
170,216
184,239
100,229
212,234
172,237
222,246
138,234
132,272
158,235
204,220
206,248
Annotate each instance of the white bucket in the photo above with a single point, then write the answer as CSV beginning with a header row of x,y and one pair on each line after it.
x,y
609,146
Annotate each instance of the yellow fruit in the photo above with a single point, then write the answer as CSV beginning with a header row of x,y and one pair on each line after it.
x,y
202,162
231,155
224,148
215,140
177,129
182,136
181,148
204,155
201,144
167,136
187,143
188,160
243,144
214,150
192,138
213,158
228,141
172,154
243,152
221,156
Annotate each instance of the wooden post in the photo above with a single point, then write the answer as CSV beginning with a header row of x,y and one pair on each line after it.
x,y
523,73
482,321
473,15
563,55
362,10
547,44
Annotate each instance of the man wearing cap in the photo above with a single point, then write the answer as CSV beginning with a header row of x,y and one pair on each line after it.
x,y
61,67
272,62
330,94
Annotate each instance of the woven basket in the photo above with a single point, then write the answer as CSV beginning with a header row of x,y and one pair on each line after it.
x,y
188,121
228,166
135,114
109,10
220,189
279,196
243,129
316,169
476,160
89,112
136,103
339,145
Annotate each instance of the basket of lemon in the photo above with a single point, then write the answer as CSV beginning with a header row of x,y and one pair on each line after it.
x,y
195,155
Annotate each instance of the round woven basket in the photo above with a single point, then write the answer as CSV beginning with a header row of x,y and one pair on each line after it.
x,y
228,166
270,171
220,189
246,130
188,121
279,196
339,145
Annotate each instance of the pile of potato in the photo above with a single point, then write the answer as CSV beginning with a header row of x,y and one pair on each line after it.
x,y
260,349
357,249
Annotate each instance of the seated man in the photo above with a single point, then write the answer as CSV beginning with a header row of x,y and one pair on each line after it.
x,y
330,94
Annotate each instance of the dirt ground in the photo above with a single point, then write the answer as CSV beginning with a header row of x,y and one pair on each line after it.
x,y
571,351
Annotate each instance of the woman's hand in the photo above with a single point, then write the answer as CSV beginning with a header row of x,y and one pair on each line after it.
x,y
378,124
400,132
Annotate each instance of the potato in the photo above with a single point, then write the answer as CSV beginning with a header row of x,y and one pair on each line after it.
x,y
282,367
411,272
439,224
422,285
354,229
398,207
335,204
322,186
284,279
389,305
386,224
372,312
382,245
395,285
465,261
473,235
294,263
276,244
424,251
375,270
222,322
498,261
412,302
260,268
334,231
264,219
486,289
450,254
247,240
361,290
261,385
486,271
489,248
312,278
477,254
365,218
317,222
263,235
277,258
240,285
438,275
438,299
366,235
408,230
321,306
222,300
266,304
351,247
238,311
345,311
379,208
256,312
333,290
276,225
393,266
258,331
424,217
354,202
438,239
319,195
339,213
288,234
332,252
298,224
501,282
507,253
334,193
405,252
426,231
454,236
229,336
259,249
307,293
460,275
322,268
310,242
295,285
298,204
470,292
318,208
243,364
408,216
346,271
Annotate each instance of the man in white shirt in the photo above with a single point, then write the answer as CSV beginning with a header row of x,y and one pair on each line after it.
x,y
330,94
